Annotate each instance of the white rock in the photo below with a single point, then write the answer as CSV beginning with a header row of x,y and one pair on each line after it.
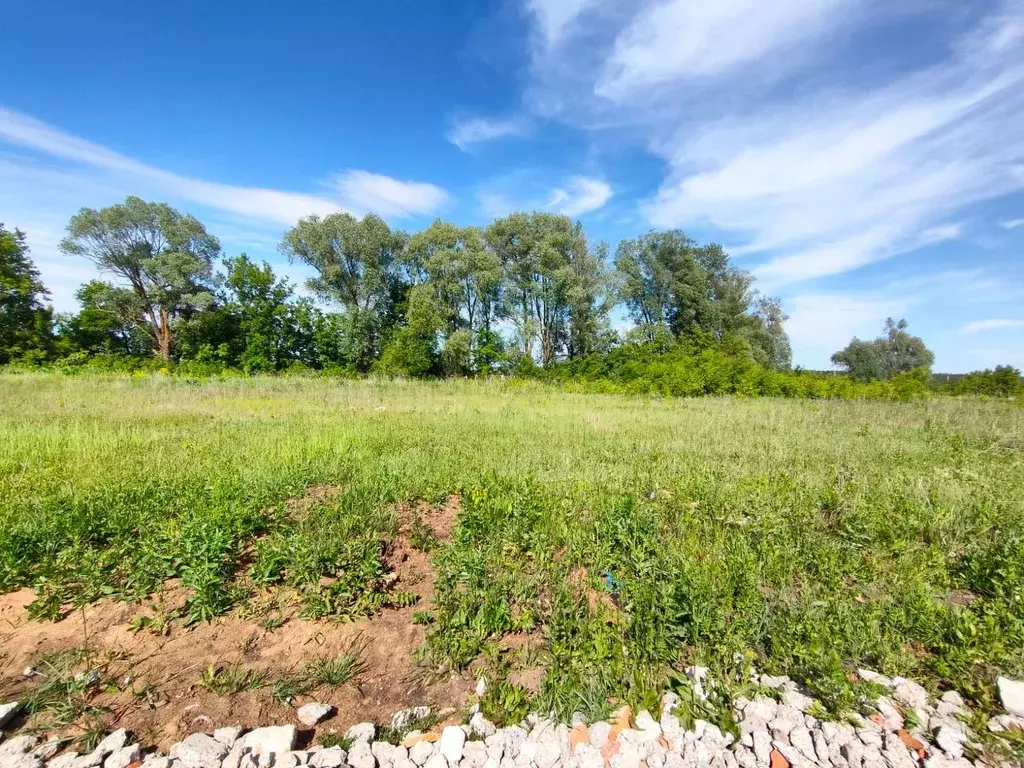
x,y
403,762
670,726
762,748
474,754
758,713
18,745
954,698
450,744
796,700
950,741
599,734
156,761
1002,723
313,713
669,702
7,711
481,726
383,752
1011,693
800,738
401,720
361,732
112,742
628,756
436,761
786,719
874,677
199,751
420,752
820,747
228,735
360,756
290,760
892,717
264,743
481,686
67,760
909,693
768,681
698,677
123,757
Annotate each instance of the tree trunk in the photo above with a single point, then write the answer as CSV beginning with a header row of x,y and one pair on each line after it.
x,y
163,335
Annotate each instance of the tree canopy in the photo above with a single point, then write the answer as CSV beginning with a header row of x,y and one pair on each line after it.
x,y
25,321
895,351
164,258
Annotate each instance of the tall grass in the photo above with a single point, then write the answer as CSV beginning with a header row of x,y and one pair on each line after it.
x,y
629,535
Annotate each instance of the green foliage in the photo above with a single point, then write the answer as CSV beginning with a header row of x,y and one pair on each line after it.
x,y
603,543
26,324
1003,381
893,353
163,257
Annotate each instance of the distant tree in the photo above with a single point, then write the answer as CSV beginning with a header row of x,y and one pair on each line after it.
x,y
895,352
26,323
1002,381
554,287
107,322
667,280
359,264
163,256
262,304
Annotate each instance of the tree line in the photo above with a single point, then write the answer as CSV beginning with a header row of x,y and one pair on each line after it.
x,y
528,289
528,292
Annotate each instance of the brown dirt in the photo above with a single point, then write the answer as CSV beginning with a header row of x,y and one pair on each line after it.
x,y
171,665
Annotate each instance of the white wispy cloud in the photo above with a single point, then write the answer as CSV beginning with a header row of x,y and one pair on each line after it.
x,y
980,326
467,133
554,16
1012,223
356,189
683,39
531,190
775,136
362,191
580,195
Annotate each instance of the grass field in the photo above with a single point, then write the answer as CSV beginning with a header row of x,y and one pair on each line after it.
x,y
624,538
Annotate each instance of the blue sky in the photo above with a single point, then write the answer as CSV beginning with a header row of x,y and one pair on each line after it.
x,y
862,158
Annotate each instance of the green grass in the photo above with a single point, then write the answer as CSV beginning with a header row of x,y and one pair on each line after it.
x,y
816,535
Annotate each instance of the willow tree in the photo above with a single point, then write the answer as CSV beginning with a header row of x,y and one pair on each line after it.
x,y
161,260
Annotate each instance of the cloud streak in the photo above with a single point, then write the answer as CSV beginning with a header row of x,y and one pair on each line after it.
x,y
796,153
981,326
359,190
468,133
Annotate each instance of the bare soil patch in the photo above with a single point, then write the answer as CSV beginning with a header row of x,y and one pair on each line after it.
x,y
150,680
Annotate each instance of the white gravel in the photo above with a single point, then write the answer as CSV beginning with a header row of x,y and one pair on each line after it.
x,y
774,728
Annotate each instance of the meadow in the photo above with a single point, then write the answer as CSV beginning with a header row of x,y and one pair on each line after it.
x,y
599,544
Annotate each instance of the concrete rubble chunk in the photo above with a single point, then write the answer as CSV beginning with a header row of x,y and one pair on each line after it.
x,y
449,746
950,741
228,735
1011,694
361,756
402,720
199,751
313,713
8,711
18,745
269,742
361,732
331,757
123,757
420,752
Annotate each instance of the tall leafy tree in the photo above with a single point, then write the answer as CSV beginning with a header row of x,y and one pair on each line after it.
x,y
534,251
669,281
465,274
163,257
895,351
588,295
360,264
26,323
262,305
